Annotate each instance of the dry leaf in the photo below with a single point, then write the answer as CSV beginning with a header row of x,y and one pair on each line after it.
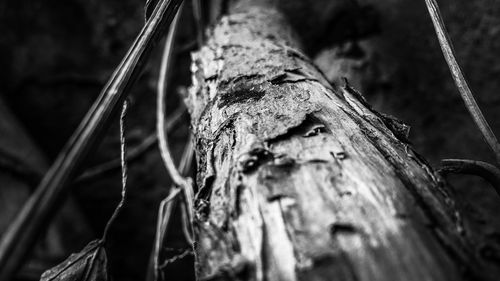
x,y
88,265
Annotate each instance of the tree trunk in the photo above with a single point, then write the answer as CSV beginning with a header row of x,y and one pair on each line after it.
x,y
302,180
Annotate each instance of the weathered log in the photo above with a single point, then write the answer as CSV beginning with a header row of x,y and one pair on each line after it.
x,y
303,180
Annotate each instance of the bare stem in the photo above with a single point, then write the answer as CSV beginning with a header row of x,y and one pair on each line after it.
x,y
471,167
177,178
185,184
458,77
184,167
133,153
176,258
164,214
161,104
123,151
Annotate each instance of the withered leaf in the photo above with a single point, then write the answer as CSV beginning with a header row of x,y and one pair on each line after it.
x,y
88,265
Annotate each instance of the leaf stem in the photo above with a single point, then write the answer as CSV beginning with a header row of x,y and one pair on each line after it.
x,y
123,152
174,173
133,153
478,168
458,77
161,104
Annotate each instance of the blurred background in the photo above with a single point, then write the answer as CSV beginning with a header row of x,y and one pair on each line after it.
x,y
56,56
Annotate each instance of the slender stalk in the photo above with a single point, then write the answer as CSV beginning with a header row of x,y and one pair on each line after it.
x,y
458,77
177,178
161,104
167,205
165,212
123,151
472,167
133,153
33,219
187,206
180,256
187,157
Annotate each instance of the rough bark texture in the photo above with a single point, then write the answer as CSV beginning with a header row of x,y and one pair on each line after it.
x,y
302,180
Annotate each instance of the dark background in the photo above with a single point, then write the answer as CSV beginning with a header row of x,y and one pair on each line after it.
x,y
55,57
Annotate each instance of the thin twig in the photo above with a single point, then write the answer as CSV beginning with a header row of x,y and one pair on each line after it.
x,y
165,212
176,258
187,157
123,151
19,238
133,153
160,105
188,202
177,178
167,206
471,167
187,225
458,77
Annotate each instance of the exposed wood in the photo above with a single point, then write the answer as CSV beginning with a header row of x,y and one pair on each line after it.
x,y
302,180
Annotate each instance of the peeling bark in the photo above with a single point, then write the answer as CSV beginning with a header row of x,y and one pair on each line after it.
x,y
302,180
